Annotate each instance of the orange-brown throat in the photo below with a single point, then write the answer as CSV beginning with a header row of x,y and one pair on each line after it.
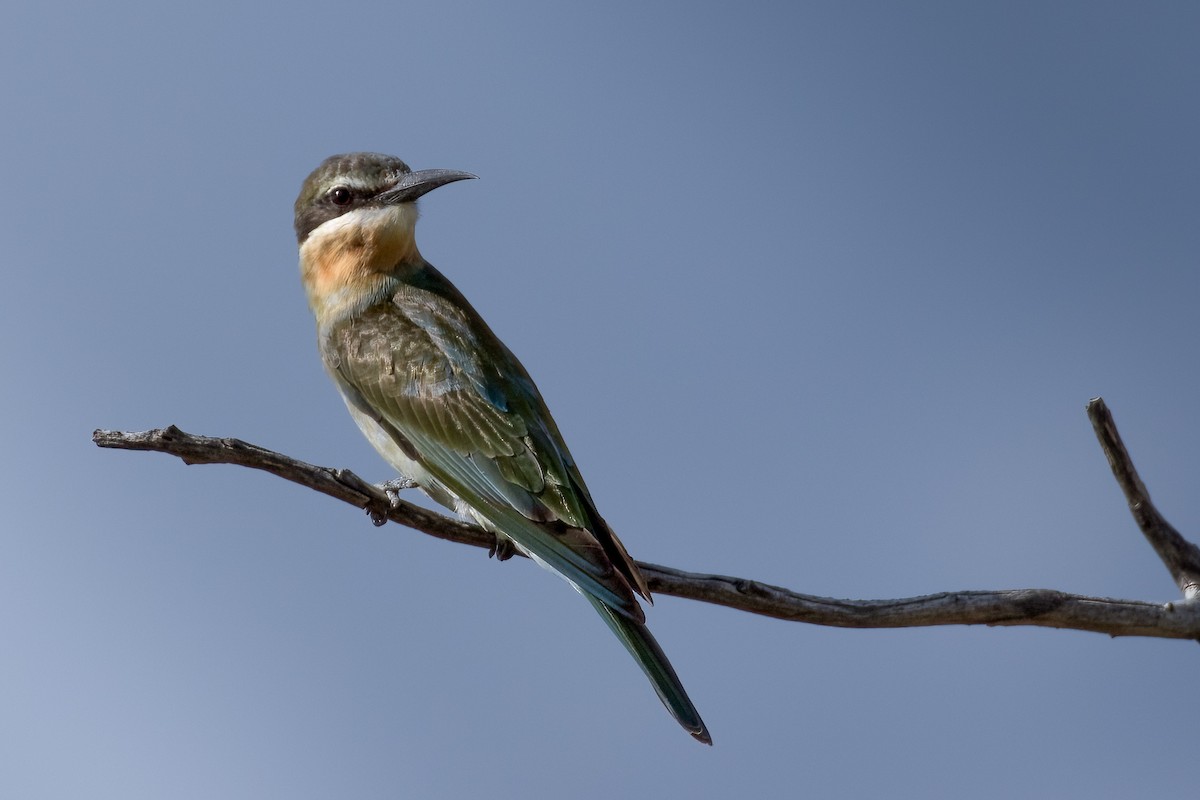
x,y
347,260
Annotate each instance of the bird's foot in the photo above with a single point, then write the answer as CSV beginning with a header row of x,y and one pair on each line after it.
x,y
394,487
502,549
375,507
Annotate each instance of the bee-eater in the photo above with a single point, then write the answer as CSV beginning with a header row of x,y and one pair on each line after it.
x,y
447,404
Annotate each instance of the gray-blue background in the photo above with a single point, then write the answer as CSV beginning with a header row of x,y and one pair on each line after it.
x,y
817,293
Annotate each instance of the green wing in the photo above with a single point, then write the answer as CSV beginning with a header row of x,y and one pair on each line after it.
x,y
428,370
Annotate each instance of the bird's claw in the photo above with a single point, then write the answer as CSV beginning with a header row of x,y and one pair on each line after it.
x,y
502,548
392,489
378,514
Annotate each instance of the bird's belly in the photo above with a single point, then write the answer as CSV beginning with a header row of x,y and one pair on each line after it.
x,y
394,455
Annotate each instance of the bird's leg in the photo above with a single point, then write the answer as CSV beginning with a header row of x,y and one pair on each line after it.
x,y
394,487
375,507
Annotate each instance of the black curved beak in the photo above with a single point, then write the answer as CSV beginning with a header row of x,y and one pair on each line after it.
x,y
414,184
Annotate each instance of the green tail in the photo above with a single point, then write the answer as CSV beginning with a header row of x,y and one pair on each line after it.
x,y
653,661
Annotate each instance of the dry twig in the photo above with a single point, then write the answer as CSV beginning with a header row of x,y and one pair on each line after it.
x,y
1041,607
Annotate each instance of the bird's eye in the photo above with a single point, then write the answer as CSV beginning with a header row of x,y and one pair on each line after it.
x,y
340,196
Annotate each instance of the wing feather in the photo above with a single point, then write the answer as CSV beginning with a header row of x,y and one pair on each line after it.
x,y
440,384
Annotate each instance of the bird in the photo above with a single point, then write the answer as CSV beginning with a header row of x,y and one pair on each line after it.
x,y
447,404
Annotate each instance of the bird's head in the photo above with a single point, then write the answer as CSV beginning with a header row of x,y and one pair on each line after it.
x,y
354,221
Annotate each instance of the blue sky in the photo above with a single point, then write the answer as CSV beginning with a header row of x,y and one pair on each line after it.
x,y
817,293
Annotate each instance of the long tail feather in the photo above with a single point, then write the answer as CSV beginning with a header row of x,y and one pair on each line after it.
x,y
650,657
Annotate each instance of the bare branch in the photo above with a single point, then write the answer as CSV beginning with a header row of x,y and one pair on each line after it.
x,y
1181,557
1040,607
339,483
